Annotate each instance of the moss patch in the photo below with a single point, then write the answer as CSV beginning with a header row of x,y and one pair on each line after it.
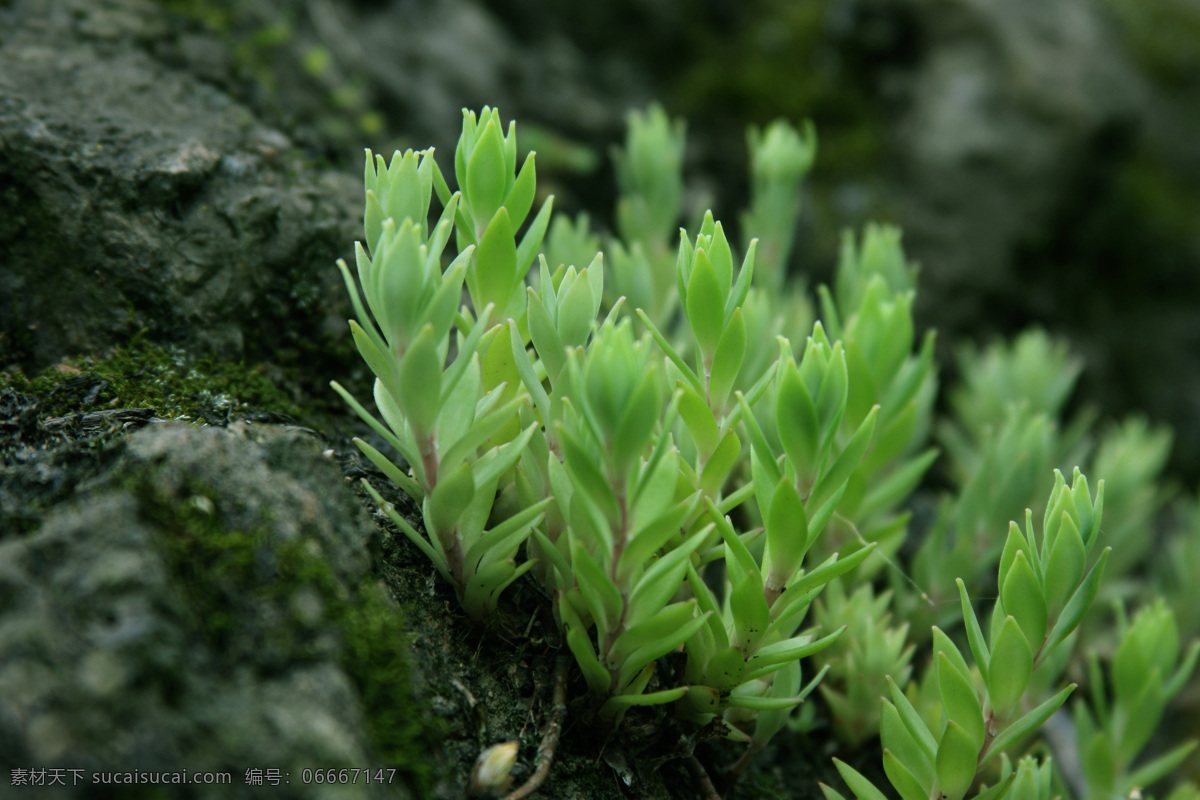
x,y
143,375
373,658
285,72
250,585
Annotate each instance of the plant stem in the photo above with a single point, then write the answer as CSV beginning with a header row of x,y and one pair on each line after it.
x,y
429,462
619,542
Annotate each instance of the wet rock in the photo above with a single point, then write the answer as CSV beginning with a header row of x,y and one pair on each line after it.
x,y
136,196
186,610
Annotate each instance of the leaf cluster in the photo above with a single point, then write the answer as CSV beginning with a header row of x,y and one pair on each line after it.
x,y
664,438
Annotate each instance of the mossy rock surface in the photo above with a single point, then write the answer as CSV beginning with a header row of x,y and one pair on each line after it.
x,y
204,601
137,197
177,596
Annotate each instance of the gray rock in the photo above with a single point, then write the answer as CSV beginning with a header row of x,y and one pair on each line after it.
x,y
186,610
1003,112
1047,175
136,196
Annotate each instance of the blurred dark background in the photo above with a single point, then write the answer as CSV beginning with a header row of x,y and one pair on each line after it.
x,y
1041,155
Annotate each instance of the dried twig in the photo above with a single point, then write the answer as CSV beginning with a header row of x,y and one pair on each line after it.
x,y
704,784
554,723
736,770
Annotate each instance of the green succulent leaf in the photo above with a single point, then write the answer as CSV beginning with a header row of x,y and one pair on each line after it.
x,y
624,701
1000,790
979,648
1156,769
393,472
520,199
766,471
1012,667
1100,765
482,428
942,644
1014,543
482,591
861,385
834,479
1144,715
531,242
763,703
439,311
1174,684
910,750
719,466
787,535
751,615
1078,605
495,272
960,701
577,312
727,361
544,334
688,373
1025,725
363,320
660,626
650,538
416,538
453,493
902,779
408,187
956,757
738,558
602,598
403,449
439,235
830,794
657,647
832,395
737,297
661,580
1021,595
588,477
550,552
707,603
705,304
772,657
1066,564
418,382
702,700
525,368
479,338
504,539
499,460
645,407
658,479
375,354
373,220
863,789
796,420
725,669
888,491
597,677
487,175
440,187
805,589
722,258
